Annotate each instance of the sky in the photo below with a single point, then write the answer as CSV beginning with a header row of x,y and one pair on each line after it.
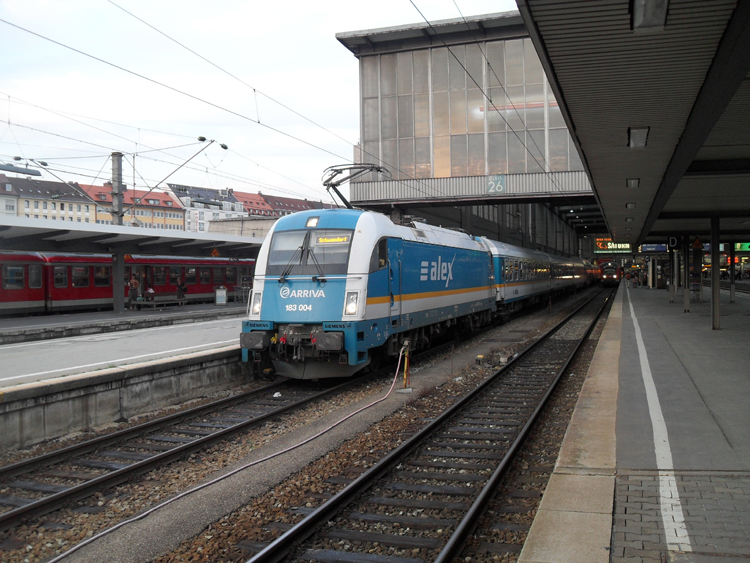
x,y
85,78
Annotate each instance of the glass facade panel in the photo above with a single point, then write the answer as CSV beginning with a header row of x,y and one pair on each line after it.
x,y
404,73
558,149
421,62
439,69
458,112
476,103
516,115
533,66
422,115
474,64
440,114
456,67
476,155
575,159
441,157
514,62
535,152
405,117
390,158
389,117
495,63
497,160
496,112
406,158
371,123
422,157
369,77
516,152
388,75
535,106
555,115
459,164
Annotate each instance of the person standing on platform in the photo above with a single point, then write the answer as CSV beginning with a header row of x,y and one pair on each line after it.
x,y
627,280
133,293
181,291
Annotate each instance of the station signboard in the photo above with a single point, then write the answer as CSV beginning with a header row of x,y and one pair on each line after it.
x,y
742,247
606,246
653,248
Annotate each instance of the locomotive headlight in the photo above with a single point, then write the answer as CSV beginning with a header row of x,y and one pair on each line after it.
x,y
350,303
255,305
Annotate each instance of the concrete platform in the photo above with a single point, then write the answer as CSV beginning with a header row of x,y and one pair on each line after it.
x,y
655,465
63,325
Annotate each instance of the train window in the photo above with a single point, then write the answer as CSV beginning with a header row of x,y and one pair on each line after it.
x,y
61,276
379,258
79,276
205,275
102,276
218,275
12,277
160,275
231,275
516,271
191,275
35,276
175,275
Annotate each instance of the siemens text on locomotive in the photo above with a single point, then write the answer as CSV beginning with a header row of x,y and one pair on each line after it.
x,y
46,282
335,290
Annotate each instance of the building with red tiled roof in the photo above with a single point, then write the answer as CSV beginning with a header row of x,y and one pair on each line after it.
x,y
254,204
150,210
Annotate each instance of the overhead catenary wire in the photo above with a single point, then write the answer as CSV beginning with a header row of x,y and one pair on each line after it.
x,y
256,92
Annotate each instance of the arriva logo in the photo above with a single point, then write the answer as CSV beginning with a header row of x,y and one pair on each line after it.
x,y
286,292
439,270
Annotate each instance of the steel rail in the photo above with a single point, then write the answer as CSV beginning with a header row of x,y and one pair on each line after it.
x,y
57,500
278,549
457,541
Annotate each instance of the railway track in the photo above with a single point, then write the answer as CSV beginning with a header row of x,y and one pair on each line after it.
x,y
43,484
423,499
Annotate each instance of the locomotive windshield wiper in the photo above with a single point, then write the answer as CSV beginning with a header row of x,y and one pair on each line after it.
x,y
319,277
297,255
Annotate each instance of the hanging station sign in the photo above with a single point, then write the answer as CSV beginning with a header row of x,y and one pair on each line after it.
x,y
606,246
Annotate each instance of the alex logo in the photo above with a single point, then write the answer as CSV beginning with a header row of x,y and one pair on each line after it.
x,y
285,293
437,271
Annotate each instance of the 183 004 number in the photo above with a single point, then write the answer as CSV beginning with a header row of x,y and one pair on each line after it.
x,y
295,307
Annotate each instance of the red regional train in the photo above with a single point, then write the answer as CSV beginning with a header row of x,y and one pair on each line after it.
x,y
46,282
611,273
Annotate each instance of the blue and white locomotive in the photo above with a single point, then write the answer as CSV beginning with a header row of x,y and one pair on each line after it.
x,y
337,289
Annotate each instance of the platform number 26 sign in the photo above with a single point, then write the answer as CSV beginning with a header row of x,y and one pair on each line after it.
x,y
496,184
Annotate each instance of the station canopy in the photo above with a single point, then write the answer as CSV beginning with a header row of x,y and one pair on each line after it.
x,y
656,94
40,235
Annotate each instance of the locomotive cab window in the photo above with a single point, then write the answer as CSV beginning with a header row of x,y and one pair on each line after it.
x,y
379,258
13,277
35,276
314,252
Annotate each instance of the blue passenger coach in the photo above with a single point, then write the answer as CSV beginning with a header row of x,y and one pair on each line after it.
x,y
336,289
